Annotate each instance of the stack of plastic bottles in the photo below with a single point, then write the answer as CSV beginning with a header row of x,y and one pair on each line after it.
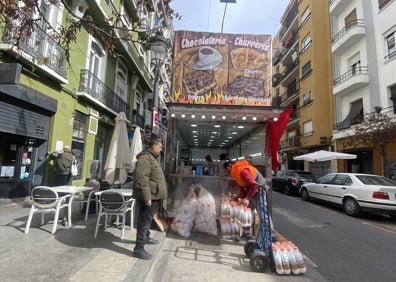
x,y
233,216
196,212
288,259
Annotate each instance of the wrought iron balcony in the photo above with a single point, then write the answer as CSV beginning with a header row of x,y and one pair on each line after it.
x,y
292,91
347,27
288,143
40,46
138,119
276,79
93,87
358,70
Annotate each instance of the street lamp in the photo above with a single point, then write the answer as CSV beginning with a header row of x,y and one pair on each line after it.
x,y
225,9
159,49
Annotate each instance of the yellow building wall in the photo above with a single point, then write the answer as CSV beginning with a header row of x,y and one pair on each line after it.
x,y
320,111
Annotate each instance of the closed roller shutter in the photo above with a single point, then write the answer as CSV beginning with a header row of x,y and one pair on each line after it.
x,y
24,122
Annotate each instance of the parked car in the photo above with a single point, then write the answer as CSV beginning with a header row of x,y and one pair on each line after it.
x,y
356,192
290,181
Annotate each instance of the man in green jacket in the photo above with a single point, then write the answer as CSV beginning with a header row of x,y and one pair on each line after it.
x,y
149,188
63,163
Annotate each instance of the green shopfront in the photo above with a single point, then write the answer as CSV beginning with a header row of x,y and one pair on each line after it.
x,y
25,116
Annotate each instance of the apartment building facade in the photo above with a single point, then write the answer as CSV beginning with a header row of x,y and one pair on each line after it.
x,y
46,103
302,79
364,81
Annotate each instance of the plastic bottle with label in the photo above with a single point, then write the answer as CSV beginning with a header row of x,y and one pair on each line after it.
x,y
300,260
292,261
285,261
277,260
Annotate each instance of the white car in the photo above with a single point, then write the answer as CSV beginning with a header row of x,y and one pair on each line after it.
x,y
356,192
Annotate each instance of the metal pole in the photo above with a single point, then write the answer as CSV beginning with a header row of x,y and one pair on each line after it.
x,y
155,98
222,23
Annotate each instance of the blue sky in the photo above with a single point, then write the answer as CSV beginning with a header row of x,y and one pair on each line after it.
x,y
246,16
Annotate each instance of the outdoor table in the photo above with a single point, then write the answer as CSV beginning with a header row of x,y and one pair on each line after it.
x,y
71,189
66,189
125,192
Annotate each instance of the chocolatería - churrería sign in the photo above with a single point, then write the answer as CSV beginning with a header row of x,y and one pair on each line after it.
x,y
219,68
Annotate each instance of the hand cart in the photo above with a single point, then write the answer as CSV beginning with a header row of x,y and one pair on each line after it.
x,y
259,251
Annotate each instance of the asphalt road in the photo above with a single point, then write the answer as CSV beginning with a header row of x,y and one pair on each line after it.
x,y
339,247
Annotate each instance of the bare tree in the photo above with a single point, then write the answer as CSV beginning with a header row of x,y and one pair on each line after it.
x,y
19,19
297,145
376,130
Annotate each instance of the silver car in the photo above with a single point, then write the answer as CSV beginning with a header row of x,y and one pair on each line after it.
x,y
356,192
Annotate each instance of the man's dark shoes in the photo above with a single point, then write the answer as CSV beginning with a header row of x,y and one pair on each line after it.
x,y
142,254
151,241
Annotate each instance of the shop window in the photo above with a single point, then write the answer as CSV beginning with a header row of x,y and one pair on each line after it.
x,y
78,139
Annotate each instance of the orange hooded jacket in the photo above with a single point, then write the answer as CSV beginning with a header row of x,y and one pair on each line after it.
x,y
244,174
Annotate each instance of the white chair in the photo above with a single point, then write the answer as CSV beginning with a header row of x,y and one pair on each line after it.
x,y
91,197
114,203
88,196
46,200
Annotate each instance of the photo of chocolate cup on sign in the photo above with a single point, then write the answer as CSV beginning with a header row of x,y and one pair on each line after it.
x,y
202,58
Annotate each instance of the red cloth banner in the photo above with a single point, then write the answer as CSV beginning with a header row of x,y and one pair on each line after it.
x,y
275,132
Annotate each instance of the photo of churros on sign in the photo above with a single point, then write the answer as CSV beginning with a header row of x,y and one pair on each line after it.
x,y
212,68
247,58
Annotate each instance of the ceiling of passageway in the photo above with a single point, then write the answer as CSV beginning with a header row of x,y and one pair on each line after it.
x,y
216,126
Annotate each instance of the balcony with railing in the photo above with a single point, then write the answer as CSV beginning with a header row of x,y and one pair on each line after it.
x,y
40,49
289,19
131,47
92,88
350,81
357,116
138,119
291,142
276,79
289,73
290,94
348,36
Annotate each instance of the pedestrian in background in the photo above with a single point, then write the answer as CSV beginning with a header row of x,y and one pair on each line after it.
x,y
63,162
208,165
249,179
149,189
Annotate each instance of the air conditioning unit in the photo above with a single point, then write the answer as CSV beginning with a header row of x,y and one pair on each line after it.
x,y
141,51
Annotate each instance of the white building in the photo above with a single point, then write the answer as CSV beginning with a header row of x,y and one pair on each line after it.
x,y
364,68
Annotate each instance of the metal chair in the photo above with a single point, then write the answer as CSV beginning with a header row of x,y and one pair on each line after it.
x,y
46,200
88,197
114,203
